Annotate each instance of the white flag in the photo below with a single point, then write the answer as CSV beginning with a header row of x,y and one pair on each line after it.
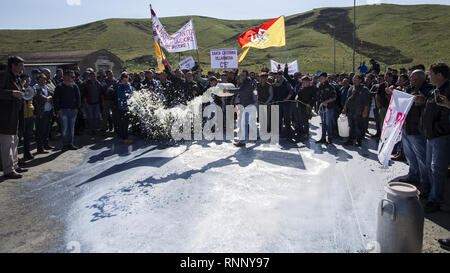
x,y
292,67
183,40
399,107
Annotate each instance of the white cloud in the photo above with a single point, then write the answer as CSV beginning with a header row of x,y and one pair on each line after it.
x,y
73,2
373,2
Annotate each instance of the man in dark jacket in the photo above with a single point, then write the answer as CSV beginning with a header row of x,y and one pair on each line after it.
x,y
375,67
414,144
10,99
246,90
435,126
307,95
282,91
67,101
93,99
326,106
357,110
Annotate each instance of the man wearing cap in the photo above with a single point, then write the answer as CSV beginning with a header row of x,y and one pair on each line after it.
x,y
326,107
10,99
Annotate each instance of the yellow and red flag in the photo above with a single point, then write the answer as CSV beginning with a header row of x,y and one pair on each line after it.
x,y
269,34
161,58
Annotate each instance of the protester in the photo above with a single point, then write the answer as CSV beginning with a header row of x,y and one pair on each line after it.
x,y
43,102
282,91
109,109
67,101
306,97
375,67
435,126
28,116
363,68
93,100
10,100
326,106
246,90
265,96
124,91
59,76
357,110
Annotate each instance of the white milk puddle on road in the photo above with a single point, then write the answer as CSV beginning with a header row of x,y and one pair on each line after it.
x,y
217,198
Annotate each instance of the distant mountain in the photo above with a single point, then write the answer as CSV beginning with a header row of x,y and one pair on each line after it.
x,y
397,36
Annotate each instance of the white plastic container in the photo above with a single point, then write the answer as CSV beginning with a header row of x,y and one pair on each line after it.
x,y
344,129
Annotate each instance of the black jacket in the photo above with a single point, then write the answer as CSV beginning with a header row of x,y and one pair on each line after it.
x,y
326,92
246,92
413,118
9,105
67,97
434,121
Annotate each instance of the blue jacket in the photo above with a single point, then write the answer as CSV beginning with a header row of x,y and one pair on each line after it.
x,y
124,92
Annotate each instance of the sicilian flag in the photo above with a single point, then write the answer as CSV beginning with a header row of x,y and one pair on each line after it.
x,y
269,34
160,57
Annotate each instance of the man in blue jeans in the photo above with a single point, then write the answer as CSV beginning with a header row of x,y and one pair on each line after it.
x,y
93,92
435,125
67,101
326,106
414,144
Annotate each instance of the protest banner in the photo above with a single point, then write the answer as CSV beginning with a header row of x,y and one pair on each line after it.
x,y
399,107
275,67
225,58
187,63
183,40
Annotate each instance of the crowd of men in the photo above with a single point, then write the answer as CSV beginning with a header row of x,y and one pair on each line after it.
x,y
96,103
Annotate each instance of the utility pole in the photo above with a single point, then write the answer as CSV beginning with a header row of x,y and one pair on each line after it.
x,y
354,32
334,42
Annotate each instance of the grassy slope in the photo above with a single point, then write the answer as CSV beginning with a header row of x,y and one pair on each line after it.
x,y
412,29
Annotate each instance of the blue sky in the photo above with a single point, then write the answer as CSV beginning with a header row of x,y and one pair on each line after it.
x,y
64,13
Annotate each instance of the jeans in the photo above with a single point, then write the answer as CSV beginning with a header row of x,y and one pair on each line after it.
x,y
68,120
415,149
327,119
438,159
93,116
247,122
27,135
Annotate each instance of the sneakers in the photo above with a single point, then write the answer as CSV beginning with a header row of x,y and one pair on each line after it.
x,y
72,147
48,147
431,207
42,152
13,175
398,157
330,141
358,143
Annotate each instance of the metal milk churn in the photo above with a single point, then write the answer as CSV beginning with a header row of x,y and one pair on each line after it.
x,y
400,220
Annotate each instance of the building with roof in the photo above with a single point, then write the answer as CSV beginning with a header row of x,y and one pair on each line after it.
x,y
67,59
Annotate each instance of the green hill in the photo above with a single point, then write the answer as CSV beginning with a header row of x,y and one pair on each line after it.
x,y
397,36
